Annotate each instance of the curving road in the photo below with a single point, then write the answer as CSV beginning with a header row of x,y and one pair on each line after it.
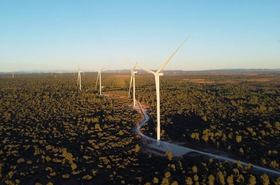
x,y
177,150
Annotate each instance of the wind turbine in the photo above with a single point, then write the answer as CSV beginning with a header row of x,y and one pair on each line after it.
x,y
99,76
132,78
157,74
79,80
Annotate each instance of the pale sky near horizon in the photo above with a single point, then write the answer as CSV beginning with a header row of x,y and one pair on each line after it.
x,y
62,34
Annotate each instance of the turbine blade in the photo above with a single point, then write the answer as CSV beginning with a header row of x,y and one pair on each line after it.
x,y
160,69
145,69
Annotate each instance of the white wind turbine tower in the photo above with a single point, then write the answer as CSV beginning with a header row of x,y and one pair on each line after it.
x,y
157,74
132,78
79,80
99,76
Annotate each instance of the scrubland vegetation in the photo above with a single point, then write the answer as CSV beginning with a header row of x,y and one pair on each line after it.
x,y
236,113
52,133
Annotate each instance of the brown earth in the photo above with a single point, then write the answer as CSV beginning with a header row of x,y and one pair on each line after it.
x,y
121,76
200,80
261,79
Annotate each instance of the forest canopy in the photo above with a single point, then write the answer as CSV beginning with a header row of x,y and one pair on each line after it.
x,y
51,132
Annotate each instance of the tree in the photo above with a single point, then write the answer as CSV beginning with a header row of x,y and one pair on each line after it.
x,y
277,182
189,181
248,166
241,151
155,180
239,165
195,177
167,174
274,164
230,180
120,133
220,177
97,127
73,166
264,179
204,118
240,179
137,148
168,155
194,169
238,138
174,183
252,180
211,179
165,181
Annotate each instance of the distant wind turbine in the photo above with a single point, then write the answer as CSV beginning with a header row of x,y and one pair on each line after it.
x,y
132,79
99,76
79,80
157,74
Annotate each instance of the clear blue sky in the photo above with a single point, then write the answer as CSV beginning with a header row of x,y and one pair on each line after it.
x,y
62,34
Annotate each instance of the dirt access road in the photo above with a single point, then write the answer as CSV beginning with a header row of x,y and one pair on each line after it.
x,y
178,151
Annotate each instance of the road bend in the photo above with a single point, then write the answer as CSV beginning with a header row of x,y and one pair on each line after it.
x,y
177,150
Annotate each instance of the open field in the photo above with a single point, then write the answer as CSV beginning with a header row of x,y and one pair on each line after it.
x,y
232,81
